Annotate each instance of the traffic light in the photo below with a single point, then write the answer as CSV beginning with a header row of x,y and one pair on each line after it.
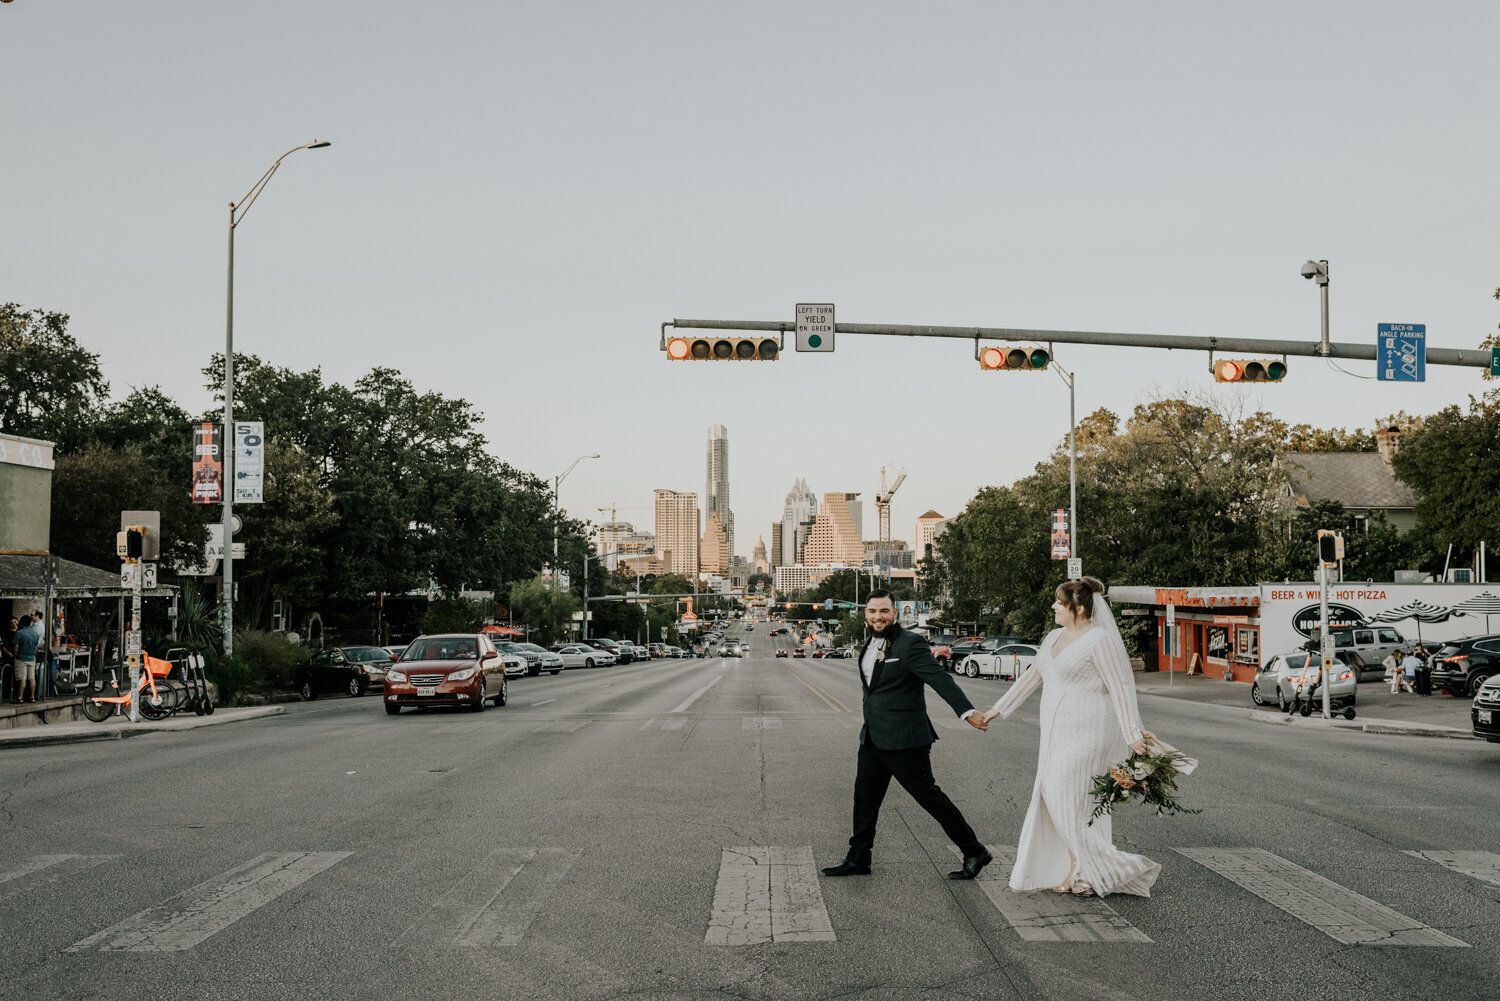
x,y
1249,370
997,359
723,348
1330,547
131,542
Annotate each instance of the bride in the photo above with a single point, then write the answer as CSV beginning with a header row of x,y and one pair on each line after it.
x,y
1089,716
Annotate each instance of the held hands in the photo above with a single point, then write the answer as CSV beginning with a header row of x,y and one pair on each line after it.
x,y
990,715
978,721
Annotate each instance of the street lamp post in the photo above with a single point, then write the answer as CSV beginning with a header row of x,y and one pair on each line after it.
x,y
1067,377
556,514
237,213
1318,271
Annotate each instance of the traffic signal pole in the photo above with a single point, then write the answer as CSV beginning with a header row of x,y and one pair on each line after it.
x,y
1462,357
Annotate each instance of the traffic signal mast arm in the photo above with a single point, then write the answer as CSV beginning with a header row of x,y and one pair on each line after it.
x,y
1247,345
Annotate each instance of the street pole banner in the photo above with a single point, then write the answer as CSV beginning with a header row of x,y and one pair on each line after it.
x,y
249,462
208,463
1062,547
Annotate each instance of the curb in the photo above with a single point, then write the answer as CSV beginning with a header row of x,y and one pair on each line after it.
x,y
69,733
1374,726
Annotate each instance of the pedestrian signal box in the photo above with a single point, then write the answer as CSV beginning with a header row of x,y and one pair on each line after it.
x,y
1249,370
723,348
130,543
997,359
1330,547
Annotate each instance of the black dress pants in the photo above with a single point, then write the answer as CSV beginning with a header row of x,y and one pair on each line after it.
x,y
912,767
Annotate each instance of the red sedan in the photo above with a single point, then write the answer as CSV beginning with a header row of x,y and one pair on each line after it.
x,y
452,669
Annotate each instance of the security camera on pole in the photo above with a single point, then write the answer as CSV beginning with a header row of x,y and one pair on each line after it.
x,y
1330,551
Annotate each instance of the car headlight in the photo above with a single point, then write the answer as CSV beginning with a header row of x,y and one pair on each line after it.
x,y
394,675
463,675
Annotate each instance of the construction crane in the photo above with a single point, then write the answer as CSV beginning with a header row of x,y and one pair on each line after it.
x,y
883,506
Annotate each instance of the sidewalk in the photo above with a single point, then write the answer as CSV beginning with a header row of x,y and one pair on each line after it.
x,y
1379,711
119,727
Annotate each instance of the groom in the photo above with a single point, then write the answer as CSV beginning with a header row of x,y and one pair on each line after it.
x,y
896,740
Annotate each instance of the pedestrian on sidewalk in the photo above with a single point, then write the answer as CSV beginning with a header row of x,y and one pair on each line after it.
x,y
1409,665
1392,665
1424,670
25,650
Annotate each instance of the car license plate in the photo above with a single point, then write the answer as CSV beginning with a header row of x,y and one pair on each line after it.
x,y
1484,715
426,690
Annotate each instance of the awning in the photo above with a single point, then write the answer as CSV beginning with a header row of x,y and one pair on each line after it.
x,y
23,574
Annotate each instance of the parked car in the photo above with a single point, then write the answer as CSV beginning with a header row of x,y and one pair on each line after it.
x,y
579,655
1365,647
676,652
1485,712
354,669
1463,666
622,654
448,669
952,655
1005,660
551,662
1342,693
1276,680
515,663
394,652
533,658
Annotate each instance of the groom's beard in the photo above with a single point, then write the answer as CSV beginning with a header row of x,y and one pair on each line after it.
x,y
879,633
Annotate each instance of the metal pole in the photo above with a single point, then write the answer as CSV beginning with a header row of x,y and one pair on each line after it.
x,y
585,590
1326,640
1323,295
556,577
227,446
1072,472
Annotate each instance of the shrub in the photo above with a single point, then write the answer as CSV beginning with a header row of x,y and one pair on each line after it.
x,y
273,659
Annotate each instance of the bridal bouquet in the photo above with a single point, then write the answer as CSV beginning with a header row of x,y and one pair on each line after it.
x,y
1150,777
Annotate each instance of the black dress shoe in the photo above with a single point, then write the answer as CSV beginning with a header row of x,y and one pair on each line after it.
x,y
972,865
847,868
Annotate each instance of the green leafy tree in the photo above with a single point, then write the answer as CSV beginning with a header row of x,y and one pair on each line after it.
x,y
50,386
548,611
1452,464
91,487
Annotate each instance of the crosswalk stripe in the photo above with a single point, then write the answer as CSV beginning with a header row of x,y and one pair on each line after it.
x,y
761,723
768,894
1045,916
1481,865
195,914
1338,912
498,907
39,862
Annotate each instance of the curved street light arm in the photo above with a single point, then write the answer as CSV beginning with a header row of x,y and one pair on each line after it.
x,y
238,210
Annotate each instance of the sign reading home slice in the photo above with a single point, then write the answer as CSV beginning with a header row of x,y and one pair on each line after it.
x,y
814,326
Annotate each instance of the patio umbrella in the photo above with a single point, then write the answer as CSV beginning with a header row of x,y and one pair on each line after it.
x,y
1419,610
1484,603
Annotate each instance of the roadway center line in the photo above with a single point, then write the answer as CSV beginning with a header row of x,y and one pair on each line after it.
x,y
694,697
543,702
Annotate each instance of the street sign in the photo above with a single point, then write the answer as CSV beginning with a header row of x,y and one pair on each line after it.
x,y
249,462
1401,352
148,575
814,326
1075,568
133,643
1495,362
129,573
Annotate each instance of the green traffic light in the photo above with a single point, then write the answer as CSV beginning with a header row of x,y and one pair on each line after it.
x,y
1275,371
1040,358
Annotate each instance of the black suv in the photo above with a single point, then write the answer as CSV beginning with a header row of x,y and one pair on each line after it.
x,y
1461,666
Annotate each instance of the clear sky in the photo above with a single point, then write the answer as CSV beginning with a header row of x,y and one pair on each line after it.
x,y
518,195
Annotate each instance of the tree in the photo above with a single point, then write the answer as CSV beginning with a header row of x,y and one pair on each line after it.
x,y
1452,464
539,606
91,487
49,385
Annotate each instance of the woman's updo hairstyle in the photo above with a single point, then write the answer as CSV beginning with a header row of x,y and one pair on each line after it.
x,y
1078,595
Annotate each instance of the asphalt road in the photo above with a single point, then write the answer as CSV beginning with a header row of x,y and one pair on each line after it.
x,y
602,837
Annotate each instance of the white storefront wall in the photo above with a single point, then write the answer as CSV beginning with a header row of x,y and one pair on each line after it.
x,y
1285,607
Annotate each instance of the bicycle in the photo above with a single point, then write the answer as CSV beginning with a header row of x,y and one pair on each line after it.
x,y
160,703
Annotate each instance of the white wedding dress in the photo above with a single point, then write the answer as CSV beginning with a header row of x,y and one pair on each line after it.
x,y
1089,716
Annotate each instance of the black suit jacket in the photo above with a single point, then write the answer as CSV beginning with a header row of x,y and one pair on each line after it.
x,y
895,706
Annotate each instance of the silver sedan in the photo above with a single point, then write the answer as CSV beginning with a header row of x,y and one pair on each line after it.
x,y
578,655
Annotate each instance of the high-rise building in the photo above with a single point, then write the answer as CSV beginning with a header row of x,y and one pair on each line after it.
x,y
716,484
713,557
801,506
929,527
834,537
776,560
677,535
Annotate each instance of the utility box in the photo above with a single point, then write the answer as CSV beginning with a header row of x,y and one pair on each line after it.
x,y
25,493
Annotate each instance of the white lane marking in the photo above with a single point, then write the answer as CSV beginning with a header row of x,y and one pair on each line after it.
x,y
695,696
541,703
564,726
1045,916
1334,910
497,906
35,864
673,724
1480,865
196,914
760,723
652,724
768,894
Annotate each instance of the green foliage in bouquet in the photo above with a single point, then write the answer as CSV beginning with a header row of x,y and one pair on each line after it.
x,y
1151,778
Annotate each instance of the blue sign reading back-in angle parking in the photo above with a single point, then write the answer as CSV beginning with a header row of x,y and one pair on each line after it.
x,y
1401,352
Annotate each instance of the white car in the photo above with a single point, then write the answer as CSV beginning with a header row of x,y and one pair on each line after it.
x,y
1008,662
515,664
578,655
